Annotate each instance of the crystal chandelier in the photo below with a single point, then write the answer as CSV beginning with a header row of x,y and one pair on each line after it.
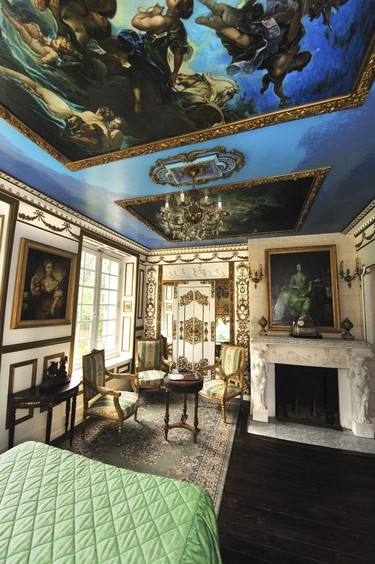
x,y
193,216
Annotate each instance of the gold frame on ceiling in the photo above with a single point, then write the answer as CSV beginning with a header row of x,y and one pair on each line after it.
x,y
354,99
318,176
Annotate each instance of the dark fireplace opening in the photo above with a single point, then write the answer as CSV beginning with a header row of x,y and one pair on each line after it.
x,y
308,395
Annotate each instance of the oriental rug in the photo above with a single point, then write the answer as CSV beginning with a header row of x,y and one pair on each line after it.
x,y
144,448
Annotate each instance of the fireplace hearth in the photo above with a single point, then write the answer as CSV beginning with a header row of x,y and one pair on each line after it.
x,y
307,395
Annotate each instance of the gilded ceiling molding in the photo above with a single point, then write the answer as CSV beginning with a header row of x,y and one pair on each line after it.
x,y
214,164
39,216
358,219
352,100
137,206
367,237
28,194
242,315
237,252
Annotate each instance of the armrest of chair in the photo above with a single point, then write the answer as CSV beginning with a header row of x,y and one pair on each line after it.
x,y
132,378
168,363
104,391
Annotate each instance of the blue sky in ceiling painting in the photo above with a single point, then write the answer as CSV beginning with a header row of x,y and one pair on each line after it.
x,y
344,140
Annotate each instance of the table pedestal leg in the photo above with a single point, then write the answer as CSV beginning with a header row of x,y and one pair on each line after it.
x,y
49,425
72,419
166,418
12,423
184,411
67,412
195,416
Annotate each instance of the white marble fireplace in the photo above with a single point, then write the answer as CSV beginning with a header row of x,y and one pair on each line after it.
x,y
349,357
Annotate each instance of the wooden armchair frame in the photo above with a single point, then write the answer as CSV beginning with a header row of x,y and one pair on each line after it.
x,y
218,388
93,392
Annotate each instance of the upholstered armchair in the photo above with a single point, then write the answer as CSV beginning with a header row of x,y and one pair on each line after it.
x,y
103,402
150,364
228,381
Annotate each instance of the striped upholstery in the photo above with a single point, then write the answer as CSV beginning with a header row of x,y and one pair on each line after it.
x,y
101,401
93,365
215,389
149,354
104,407
229,376
230,360
150,367
151,378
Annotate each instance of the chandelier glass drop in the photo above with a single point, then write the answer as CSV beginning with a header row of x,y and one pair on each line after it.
x,y
193,216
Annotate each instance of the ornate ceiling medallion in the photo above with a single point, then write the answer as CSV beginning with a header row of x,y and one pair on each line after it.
x,y
213,164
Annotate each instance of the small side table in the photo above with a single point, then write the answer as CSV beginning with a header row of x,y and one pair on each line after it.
x,y
183,383
33,397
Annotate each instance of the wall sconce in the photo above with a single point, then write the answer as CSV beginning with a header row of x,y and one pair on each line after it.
x,y
347,276
257,276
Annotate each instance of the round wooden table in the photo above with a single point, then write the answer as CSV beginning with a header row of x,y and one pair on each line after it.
x,y
183,383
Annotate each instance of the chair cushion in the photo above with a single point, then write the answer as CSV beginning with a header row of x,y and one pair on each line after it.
x,y
215,388
104,407
230,360
149,353
150,378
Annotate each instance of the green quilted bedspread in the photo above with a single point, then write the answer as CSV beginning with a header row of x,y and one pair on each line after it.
x,y
60,507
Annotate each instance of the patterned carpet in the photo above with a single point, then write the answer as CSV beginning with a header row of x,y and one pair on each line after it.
x,y
145,449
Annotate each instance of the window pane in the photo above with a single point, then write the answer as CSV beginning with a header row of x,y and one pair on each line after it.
x,y
87,295
86,313
106,265
103,297
88,278
115,268
89,261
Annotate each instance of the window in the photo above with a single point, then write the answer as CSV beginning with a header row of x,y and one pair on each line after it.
x,y
98,304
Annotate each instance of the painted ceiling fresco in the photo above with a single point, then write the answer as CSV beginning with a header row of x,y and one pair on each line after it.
x,y
263,207
93,81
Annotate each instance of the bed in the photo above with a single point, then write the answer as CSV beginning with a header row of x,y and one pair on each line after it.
x,y
60,507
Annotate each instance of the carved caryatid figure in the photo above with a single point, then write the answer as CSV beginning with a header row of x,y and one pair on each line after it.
x,y
360,377
259,373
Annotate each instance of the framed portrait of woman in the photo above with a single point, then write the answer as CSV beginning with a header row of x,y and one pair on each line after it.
x,y
44,286
302,280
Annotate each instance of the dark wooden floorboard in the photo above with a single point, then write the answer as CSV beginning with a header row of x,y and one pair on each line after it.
x,y
290,503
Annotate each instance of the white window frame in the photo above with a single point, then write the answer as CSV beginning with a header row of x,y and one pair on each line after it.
x,y
100,255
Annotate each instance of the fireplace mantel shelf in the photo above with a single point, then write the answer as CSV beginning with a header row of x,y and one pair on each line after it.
x,y
314,343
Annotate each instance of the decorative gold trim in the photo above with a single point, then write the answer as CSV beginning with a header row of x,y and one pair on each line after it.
x,y
331,249
358,218
179,161
80,220
242,316
318,175
355,98
150,303
39,216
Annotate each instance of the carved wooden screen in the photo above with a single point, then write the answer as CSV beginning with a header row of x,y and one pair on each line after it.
x,y
194,326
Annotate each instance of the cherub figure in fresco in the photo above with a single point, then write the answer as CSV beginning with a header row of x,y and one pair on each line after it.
x,y
81,19
325,8
90,129
164,33
259,38
48,49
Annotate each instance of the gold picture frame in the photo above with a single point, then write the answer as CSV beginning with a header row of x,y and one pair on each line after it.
x,y
302,280
312,86
45,283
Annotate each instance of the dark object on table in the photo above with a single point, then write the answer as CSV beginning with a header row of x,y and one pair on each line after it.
x,y
56,376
